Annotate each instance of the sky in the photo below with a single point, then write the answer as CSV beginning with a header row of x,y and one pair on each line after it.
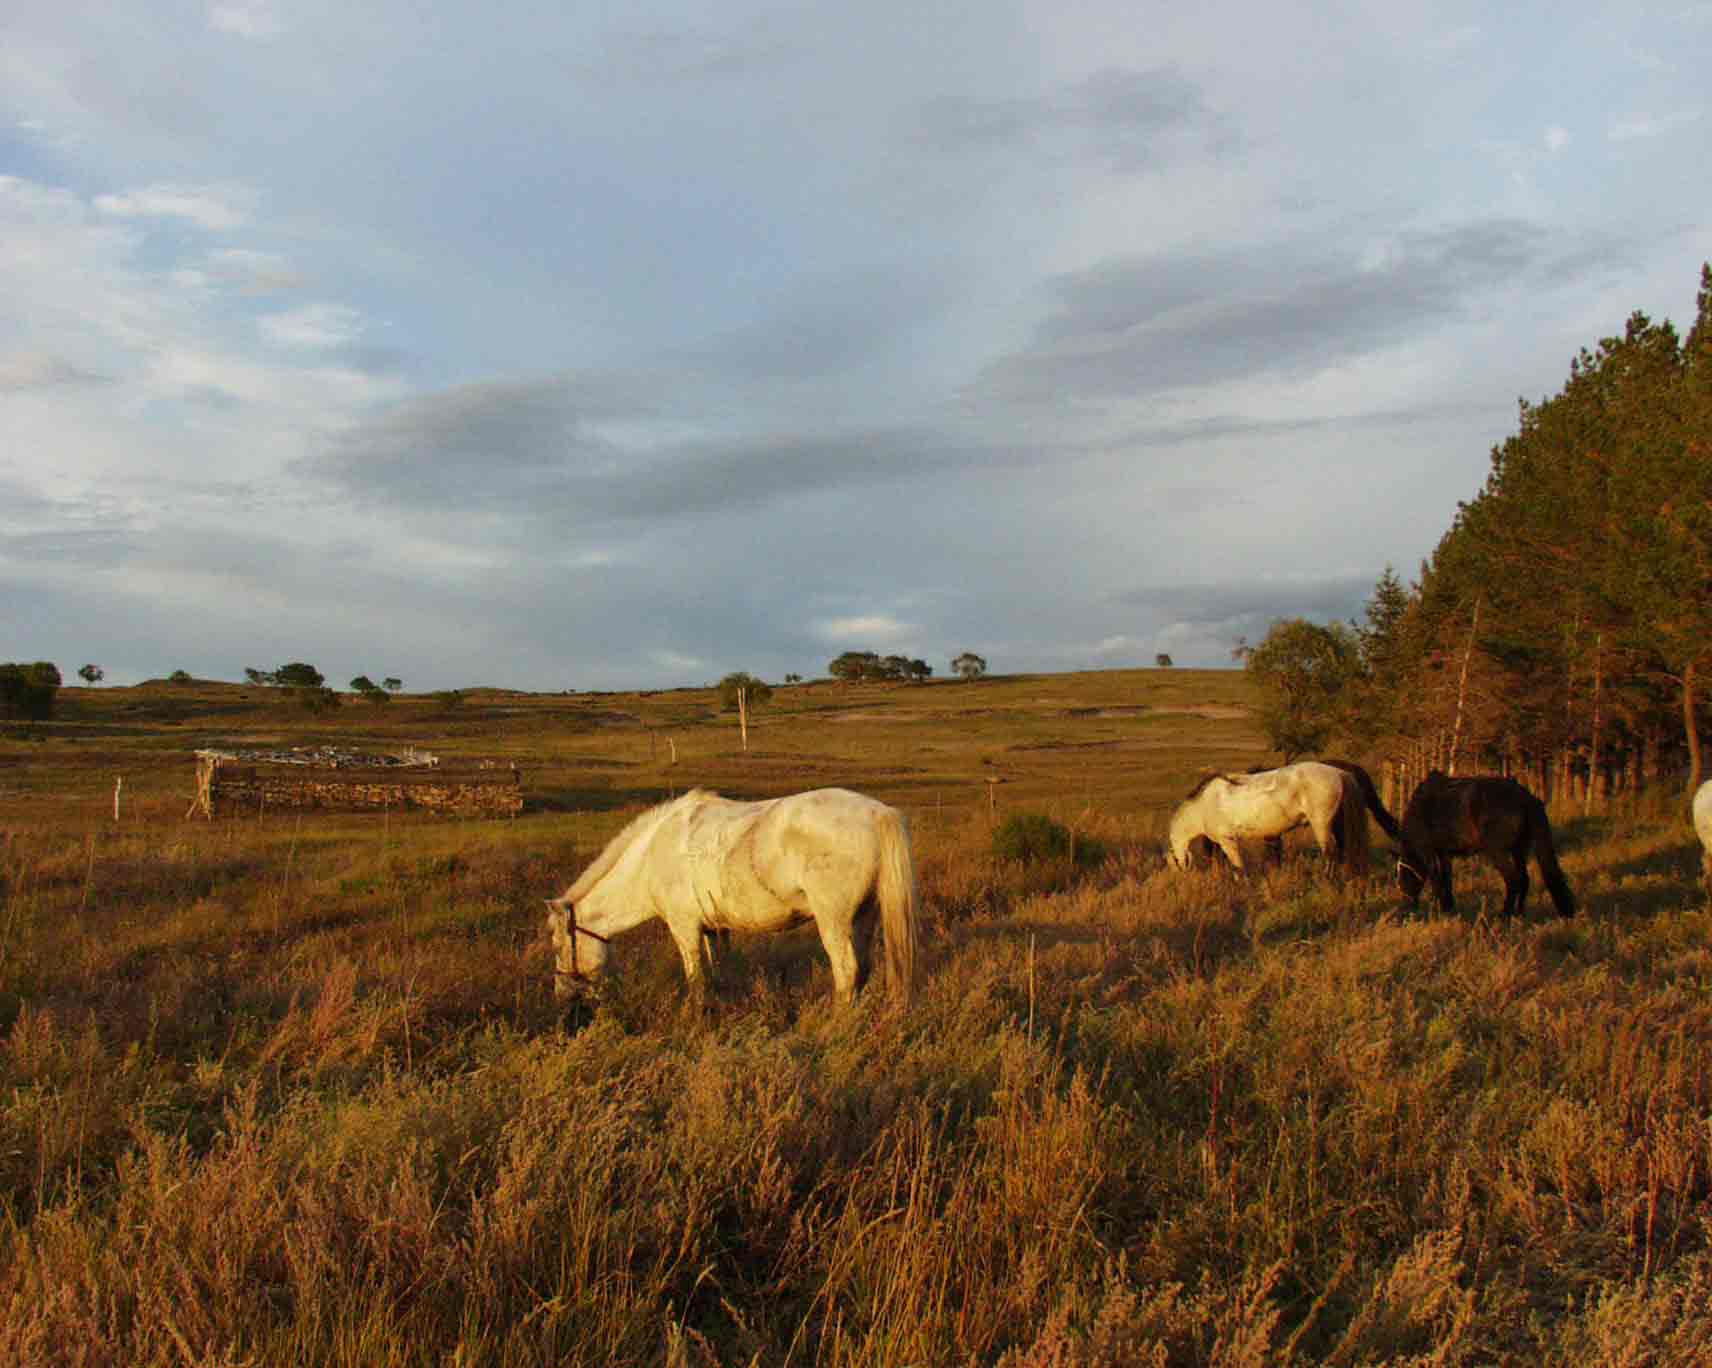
x,y
594,346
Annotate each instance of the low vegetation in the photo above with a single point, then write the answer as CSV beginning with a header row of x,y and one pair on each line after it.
x,y
293,1088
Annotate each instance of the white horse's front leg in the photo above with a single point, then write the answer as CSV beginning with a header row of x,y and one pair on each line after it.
x,y
1233,853
687,937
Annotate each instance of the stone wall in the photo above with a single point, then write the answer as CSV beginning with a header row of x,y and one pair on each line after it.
x,y
226,786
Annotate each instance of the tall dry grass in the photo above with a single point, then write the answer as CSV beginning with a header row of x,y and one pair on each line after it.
x,y
296,1091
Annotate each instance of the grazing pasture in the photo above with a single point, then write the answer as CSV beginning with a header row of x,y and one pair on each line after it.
x,y
293,1087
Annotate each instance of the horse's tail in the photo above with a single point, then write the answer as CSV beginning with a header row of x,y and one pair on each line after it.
x,y
1545,855
895,891
1386,821
1370,794
1352,817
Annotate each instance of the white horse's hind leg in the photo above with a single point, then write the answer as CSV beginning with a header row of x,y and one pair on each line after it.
x,y
1326,836
834,928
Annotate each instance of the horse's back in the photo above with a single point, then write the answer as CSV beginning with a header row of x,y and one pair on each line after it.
x,y
1458,816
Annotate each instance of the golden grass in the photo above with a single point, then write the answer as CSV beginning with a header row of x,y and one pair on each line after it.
x,y
293,1089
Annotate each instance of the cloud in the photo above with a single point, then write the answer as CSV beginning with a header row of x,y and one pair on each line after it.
x,y
214,209
1253,604
312,326
1634,126
1126,118
1556,138
584,449
1140,327
880,628
245,18
41,371
252,271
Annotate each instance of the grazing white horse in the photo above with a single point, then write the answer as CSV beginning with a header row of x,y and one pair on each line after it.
x,y
1228,808
702,863
1703,829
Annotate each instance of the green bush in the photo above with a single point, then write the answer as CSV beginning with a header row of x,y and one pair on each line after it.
x,y
28,691
1030,838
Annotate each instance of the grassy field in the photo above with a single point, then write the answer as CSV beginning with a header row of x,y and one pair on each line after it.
x,y
287,1088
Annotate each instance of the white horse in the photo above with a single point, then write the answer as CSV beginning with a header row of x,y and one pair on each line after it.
x,y
1228,808
1703,828
703,863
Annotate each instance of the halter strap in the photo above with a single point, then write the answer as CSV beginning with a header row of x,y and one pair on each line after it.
x,y
1404,864
576,971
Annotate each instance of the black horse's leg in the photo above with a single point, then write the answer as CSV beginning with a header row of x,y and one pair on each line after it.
x,y
1441,883
1513,866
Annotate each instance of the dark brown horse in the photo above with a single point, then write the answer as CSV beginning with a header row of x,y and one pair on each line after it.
x,y
1481,815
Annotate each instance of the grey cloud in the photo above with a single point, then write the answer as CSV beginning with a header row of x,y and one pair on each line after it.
x,y
1124,115
87,548
1143,327
42,371
1251,607
669,56
831,325
543,449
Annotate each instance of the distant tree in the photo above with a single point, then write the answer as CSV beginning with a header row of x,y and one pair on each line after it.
x,y
756,692
91,674
365,686
793,679
319,699
180,677
29,691
969,665
1304,671
854,666
298,675
259,677
392,683
1162,660
918,670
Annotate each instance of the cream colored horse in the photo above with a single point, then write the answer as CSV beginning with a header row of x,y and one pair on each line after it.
x,y
1703,829
703,863
1227,809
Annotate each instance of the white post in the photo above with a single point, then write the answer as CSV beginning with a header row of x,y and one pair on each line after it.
x,y
743,714
118,784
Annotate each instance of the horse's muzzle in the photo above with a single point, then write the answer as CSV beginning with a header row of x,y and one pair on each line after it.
x,y
569,985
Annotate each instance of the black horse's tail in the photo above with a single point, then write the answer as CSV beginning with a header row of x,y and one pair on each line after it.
x,y
1387,823
1545,855
1370,796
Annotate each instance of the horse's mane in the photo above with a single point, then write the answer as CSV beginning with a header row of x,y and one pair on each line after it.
x,y
1207,779
643,822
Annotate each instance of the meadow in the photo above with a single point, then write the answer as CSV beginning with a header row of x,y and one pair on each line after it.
x,y
282,1088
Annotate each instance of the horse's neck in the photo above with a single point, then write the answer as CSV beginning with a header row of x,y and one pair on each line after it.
x,y
620,898
637,833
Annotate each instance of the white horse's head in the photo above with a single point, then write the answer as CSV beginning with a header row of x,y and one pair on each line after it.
x,y
1184,829
579,954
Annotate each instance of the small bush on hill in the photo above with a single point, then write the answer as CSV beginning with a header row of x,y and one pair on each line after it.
x,y
28,691
1030,838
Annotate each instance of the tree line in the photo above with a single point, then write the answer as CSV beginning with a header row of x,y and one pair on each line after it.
x,y
1562,627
